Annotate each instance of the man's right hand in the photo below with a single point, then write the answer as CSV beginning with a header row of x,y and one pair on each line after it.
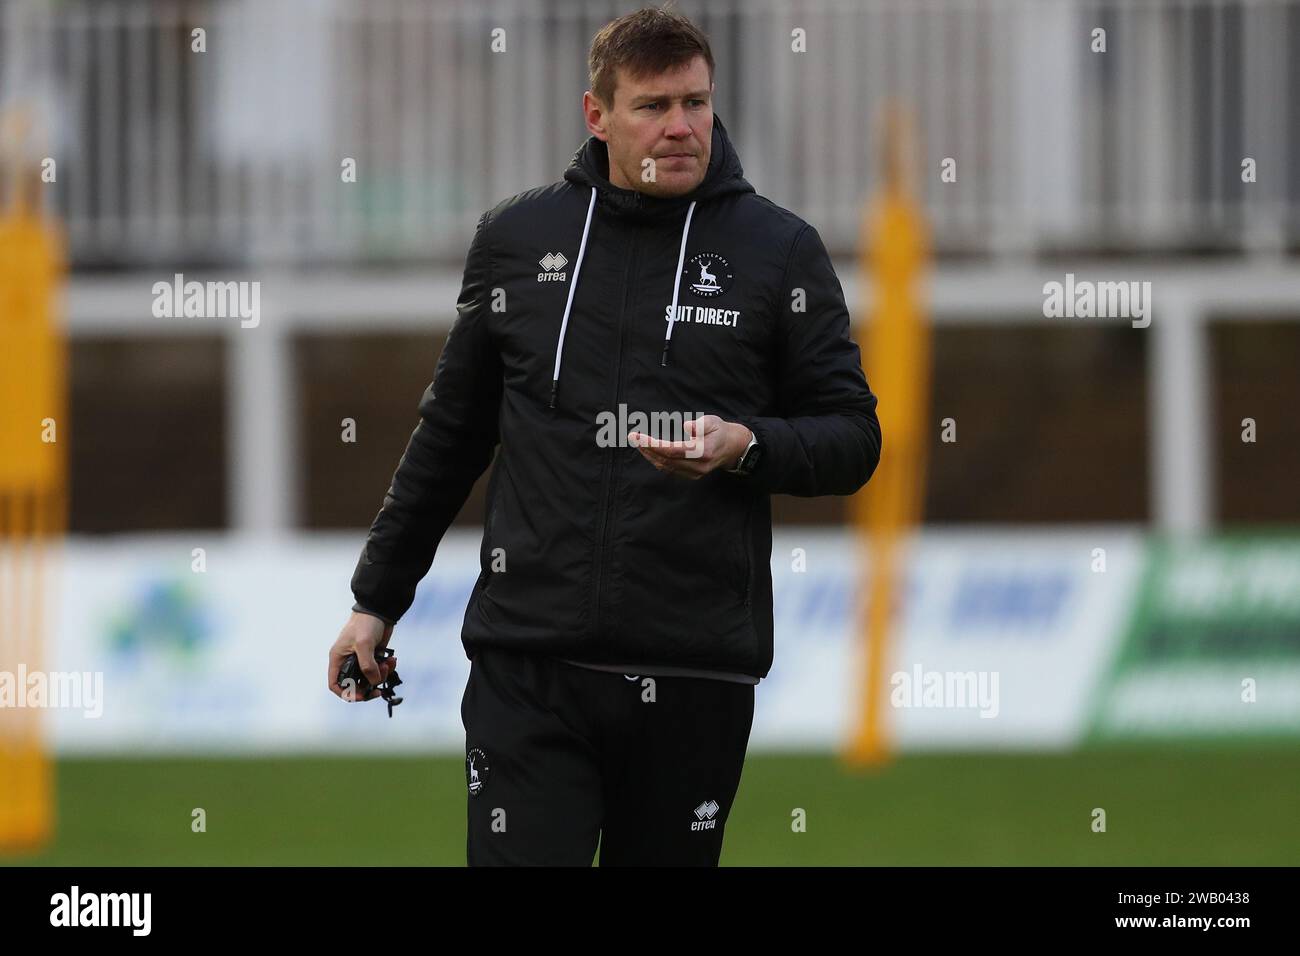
x,y
361,635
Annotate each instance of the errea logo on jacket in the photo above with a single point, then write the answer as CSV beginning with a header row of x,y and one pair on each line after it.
x,y
552,263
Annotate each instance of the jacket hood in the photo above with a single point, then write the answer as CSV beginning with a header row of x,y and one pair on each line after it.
x,y
590,167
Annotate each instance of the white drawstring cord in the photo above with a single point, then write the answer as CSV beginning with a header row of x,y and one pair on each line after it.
x,y
568,305
677,282
573,287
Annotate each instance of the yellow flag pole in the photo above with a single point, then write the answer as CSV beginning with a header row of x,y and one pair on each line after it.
x,y
895,248
33,470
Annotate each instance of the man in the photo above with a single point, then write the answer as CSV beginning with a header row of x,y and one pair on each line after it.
x,y
623,613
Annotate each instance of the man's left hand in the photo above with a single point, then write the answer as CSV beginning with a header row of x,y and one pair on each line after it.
x,y
710,443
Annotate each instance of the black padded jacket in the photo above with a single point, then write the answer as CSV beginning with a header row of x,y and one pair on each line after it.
x,y
589,552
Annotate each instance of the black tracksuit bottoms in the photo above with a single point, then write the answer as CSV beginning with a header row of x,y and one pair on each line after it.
x,y
560,758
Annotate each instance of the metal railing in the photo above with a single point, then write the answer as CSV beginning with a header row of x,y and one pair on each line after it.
x,y
234,154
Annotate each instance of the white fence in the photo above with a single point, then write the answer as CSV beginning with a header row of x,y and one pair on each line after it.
x,y
264,463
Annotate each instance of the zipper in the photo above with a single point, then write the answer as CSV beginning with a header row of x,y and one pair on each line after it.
x,y
611,469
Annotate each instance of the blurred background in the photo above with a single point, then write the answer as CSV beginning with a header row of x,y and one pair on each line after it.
x,y
1105,538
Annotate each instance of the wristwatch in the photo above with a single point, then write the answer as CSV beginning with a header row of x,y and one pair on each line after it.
x,y
749,460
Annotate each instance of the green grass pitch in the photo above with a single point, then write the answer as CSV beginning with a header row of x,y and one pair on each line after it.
x,y
1164,806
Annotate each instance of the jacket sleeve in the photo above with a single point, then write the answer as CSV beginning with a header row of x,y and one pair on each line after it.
x,y
825,438
448,451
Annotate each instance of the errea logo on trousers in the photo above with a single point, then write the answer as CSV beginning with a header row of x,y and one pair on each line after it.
x,y
705,815
552,263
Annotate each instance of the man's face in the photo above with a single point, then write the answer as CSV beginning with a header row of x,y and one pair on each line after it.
x,y
659,130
